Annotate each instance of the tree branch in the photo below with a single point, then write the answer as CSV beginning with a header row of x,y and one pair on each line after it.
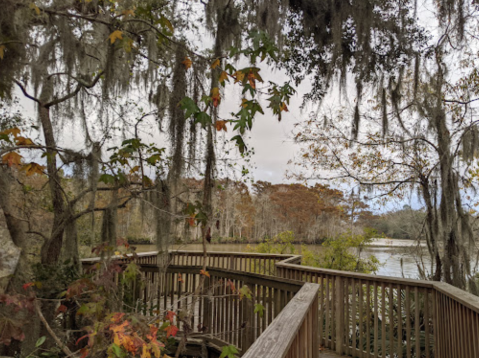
x,y
22,87
81,84
88,211
63,347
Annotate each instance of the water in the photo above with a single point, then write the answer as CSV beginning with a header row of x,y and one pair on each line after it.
x,y
389,252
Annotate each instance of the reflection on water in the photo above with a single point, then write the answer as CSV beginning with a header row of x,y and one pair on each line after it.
x,y
390,256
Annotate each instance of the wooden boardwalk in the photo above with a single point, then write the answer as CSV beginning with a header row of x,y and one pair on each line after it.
x,y
328,354
434,319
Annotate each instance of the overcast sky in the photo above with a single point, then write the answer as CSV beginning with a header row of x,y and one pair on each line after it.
x,y
271,140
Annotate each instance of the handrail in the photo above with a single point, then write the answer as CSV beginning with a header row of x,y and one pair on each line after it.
x,y
379,316
281,338
365,315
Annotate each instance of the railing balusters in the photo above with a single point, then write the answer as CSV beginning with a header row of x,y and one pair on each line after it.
x,y
360,315
376,321
416,323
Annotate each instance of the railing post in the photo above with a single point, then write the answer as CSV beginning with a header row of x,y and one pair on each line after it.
x,y
248,330
436,314
206,319
315,326
339,315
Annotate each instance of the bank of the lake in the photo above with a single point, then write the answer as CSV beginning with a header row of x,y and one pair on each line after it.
x,y
397,256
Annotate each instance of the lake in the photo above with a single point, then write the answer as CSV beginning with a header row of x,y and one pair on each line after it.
x,y
389,252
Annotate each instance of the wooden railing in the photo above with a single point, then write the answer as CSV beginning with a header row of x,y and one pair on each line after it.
x,y
359,315
378,316
224,310
293,333
220,312
241,261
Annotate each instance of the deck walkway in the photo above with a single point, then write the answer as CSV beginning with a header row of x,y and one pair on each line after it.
x,y
328,354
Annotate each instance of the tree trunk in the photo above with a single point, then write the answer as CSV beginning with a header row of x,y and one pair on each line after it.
x,y
23,241
52,248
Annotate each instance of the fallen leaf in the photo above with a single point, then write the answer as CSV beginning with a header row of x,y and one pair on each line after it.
x,y
2,51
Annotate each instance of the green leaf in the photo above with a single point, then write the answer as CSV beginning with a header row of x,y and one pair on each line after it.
x,y
247,87
154,159
40,341
245,292
107,179
240,143
230,69
228,352
5,137
166,23
116,349
188,105
259,308
203,118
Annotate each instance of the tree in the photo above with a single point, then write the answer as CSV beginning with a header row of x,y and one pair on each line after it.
x,y
75,60
420,136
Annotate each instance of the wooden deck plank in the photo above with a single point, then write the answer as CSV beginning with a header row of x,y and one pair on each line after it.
x,y
329,354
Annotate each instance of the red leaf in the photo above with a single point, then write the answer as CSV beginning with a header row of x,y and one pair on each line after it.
x,y
251,79
171,331
231,285
170,315
27,285
84,352
215,96
62,309
221,125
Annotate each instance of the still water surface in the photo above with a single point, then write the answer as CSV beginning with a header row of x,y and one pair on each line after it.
x,y
389,252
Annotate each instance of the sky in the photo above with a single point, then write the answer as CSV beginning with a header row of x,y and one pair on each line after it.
x,y
272,140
